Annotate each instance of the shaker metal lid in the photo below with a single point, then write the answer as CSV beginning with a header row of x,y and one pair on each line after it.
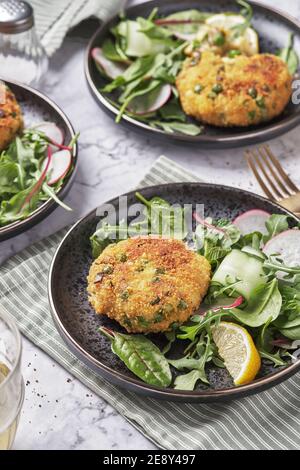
x,y
15,16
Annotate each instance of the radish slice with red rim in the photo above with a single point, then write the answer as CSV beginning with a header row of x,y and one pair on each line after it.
x,y
59,166
108,67
236,304
151,102
287,246
252,221
206,224
54,134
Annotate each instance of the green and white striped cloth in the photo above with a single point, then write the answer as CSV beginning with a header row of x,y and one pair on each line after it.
x,y
270,420
54,18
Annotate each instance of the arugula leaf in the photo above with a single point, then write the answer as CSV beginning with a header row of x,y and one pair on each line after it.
x,y
276,359
20,170
8,178
162,219
290,56
205,353
188,381
247,13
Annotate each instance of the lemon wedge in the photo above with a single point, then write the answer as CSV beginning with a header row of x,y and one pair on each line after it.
x,y
237,349
247,43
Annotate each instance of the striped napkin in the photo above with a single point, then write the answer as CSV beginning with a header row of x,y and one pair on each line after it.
x,y
268,421
53,19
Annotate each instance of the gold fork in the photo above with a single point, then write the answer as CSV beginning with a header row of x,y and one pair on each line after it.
x,y
272,178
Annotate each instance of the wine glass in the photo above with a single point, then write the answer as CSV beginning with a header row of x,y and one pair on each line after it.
x,y
11,381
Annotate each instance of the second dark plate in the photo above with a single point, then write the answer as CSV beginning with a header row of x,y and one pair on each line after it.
x,y
273,28
36,108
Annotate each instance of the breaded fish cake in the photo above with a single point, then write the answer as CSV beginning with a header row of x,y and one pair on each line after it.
x,y
11,121
242,91
147,284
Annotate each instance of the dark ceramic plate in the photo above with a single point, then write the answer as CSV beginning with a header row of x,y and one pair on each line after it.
x,y
36,108
273,27
77,322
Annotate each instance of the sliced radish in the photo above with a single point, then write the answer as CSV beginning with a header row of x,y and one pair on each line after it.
x,y
59,166
287,246
252,221
236,304
152,101
207,225
111,69
52,132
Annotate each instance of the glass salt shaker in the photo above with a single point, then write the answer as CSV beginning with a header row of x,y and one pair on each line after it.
x,y
22,57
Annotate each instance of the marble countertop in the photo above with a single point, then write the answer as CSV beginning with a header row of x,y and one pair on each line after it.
x,y
59,412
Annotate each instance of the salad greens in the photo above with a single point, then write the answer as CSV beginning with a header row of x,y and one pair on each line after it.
x,y
24,182
248,287
142,59
290,56
141,356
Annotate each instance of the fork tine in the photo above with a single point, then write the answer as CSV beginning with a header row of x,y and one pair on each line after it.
x,y
280,170
269,163
270,181
252,166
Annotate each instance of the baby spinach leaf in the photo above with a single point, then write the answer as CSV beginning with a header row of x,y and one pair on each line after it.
x,y
111,53
276,224
172,111
264,304
141,356
291,333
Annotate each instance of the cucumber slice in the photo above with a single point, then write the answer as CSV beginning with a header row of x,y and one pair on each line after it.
x,y
239,266
140,45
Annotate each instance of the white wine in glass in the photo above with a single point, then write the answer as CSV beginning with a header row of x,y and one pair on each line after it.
x,y
11,382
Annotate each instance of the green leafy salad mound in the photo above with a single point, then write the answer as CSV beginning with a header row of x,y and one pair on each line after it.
x,y
26,170
251,286
143,57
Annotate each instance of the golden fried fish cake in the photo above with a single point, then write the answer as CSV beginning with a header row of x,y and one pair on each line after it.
x,y
242,91
148,284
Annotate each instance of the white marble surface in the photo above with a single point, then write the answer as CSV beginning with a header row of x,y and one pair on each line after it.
x,y
59,412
